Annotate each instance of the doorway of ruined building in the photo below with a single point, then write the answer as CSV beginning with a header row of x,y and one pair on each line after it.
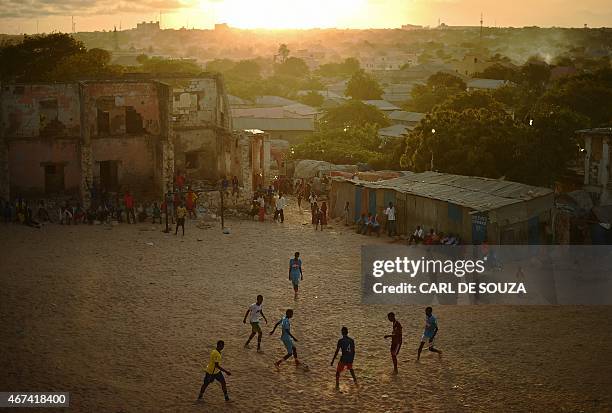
x,y
54,178
109,175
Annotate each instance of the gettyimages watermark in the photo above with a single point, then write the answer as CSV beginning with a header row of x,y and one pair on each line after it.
x,y
495,274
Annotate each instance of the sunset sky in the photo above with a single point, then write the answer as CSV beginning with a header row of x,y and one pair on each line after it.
x,y
24,15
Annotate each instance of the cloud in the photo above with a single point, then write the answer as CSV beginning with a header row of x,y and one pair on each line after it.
x,y
44,8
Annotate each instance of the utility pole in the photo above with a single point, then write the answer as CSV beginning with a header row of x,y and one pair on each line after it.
x,y
481,28
72,20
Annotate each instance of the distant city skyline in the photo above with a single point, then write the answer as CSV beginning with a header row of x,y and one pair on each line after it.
x,y
44,16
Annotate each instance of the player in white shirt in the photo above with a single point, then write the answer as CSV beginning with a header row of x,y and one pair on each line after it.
x,y
256,312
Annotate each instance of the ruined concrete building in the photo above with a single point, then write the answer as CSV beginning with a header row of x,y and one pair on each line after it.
x,y
59,139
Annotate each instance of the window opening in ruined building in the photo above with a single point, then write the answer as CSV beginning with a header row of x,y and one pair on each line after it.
x,y
133,120
103,122
54,178
192,160
48,116
109,175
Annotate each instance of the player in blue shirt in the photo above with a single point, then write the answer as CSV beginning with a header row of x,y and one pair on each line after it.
x,y
347,345
287,338
431,329
295,273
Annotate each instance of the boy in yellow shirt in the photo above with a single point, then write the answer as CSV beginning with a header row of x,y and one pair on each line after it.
x,y
214,371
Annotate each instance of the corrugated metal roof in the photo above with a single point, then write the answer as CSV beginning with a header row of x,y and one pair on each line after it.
x,y
478,83
406,116
480,194
268,124
394,131
381,104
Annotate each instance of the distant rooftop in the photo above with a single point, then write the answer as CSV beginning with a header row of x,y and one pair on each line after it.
x,y
596,131
381,105
402,115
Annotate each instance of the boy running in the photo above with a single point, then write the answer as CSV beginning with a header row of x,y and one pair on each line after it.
x,y
287,338
295,273
396,339
214,371
256,310
431,329
347,345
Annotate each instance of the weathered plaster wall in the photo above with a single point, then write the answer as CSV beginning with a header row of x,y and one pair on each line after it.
x,y
47,110
28,175
136,156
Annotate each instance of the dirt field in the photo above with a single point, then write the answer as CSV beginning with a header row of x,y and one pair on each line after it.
x,y
127,327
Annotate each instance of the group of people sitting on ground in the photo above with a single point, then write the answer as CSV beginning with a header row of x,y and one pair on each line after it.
x,y
433,238
368,224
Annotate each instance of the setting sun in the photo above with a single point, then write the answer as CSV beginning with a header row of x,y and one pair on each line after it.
x,y
281,14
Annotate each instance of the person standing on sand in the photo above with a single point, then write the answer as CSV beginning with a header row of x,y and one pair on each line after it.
x,y
396,339
295,273
256,311
262,208
214,371
323,215
287,338
314,212
390,213
431,329
347,345
181,213
346,213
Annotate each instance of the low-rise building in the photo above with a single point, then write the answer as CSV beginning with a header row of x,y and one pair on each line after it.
x,y
473,208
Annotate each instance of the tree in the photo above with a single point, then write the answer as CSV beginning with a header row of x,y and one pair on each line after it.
x,y
472,142
500,72
35,58
158,65
245,69
586,94
353,145
439,87
292,66
346,69
476,99
354,113
220,65
93,64
283,52
362,86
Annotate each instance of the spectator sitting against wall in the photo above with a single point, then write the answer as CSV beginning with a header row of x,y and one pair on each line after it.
x,y
374,225
361,223
156,213
417,236
431,238
43,214
142,213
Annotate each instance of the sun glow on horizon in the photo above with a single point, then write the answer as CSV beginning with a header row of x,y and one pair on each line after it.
x,y
285,14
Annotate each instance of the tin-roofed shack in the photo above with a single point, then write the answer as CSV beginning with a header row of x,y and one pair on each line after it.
x,y
476,209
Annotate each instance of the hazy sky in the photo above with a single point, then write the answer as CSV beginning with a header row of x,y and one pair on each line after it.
x,y
24,15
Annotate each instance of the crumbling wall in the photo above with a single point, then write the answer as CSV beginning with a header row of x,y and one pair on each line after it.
x,y
136,159
46,111
119,108
194,102
27,160
196,153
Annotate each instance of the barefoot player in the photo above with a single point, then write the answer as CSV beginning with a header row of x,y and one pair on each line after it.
x,y
287,338
431,329
347,345
396,339
256,311
214,371
295,273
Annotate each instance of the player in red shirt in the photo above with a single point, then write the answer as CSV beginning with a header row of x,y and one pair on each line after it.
x,y
396,339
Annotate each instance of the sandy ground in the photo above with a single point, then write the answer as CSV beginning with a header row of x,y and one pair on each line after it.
x,y
127,327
